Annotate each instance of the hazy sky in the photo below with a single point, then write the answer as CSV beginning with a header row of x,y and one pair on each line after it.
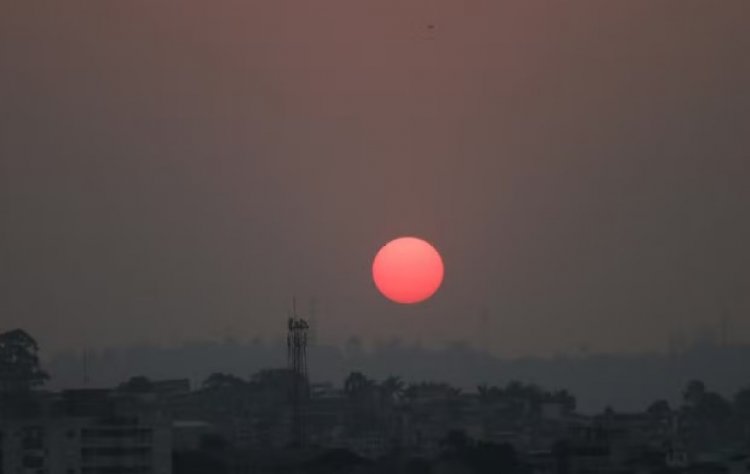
x,y
176,170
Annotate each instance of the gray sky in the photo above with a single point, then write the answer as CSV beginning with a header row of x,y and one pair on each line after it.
x,y
177,170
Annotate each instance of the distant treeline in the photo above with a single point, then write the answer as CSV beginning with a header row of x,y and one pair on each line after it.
x,y
623,381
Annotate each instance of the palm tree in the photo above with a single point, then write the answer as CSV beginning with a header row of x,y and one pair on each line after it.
x,y
392,388
357,385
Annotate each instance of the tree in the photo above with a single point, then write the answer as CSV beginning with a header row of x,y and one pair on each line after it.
x,y
708,414
490,393
357,385
694,392
219,380
659,409
431,390
714,408
742,403
137,384
704,404
392,388
741,406
19,362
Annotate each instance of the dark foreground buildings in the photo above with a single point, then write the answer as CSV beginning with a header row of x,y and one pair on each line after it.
x,y
86,432
231,425
275,422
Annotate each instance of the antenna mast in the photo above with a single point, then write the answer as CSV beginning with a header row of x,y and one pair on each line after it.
x,y
297,363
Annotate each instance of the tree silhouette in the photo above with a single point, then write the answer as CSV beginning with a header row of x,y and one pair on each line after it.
x,y
705,405
489,394
741,403
392,389
219,380
426,390
137,384
526,399
693,393
707,415
741,407
19,362
659,409
357,386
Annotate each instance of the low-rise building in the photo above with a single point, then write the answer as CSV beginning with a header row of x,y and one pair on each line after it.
x,y
87,432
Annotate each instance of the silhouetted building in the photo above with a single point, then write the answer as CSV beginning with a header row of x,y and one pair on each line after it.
x,y
87,432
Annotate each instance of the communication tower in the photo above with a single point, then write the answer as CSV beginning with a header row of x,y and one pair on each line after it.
x,y
296,342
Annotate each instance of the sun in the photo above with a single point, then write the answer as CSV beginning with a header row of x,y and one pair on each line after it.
x,y
407,270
